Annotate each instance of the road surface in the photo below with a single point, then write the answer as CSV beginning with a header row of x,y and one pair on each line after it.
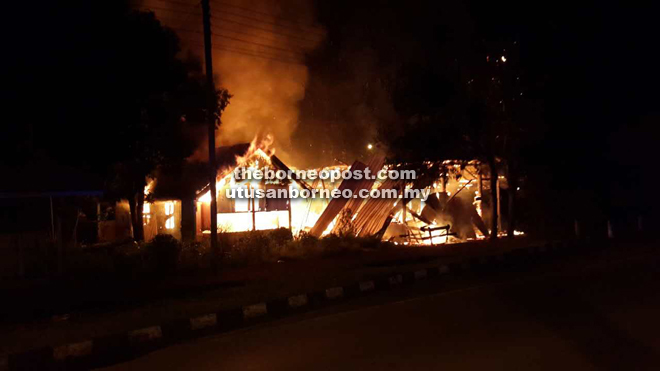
x,y
602,317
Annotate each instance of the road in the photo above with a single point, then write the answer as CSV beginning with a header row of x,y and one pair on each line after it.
x,y
590,318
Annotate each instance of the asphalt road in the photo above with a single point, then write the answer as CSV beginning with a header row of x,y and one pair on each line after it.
x,y
604,317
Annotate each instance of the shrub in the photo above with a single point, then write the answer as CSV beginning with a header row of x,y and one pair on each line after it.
x,y
259,246
195,256
127,258
163,253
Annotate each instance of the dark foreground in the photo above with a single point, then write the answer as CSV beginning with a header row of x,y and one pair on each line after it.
x,y
588,315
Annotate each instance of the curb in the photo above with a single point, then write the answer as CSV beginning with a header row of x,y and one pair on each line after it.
x,y
115,348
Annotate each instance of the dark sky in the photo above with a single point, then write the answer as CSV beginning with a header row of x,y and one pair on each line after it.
x,y
592,67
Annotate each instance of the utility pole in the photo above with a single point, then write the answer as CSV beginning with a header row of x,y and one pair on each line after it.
x,y
208,61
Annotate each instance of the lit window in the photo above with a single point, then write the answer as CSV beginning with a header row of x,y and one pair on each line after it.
x,y
169,208
146,213
169,212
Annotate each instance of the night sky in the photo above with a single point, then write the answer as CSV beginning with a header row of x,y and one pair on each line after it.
x,y
589,69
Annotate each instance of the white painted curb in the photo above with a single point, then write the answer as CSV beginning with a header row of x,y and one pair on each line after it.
x,y
367,286
208,320
145,335
255,310
420,274
74,350
334,292
395,280
297,301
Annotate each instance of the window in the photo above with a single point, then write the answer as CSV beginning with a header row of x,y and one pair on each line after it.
x,y
169,215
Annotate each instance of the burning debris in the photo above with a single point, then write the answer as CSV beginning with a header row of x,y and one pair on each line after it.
x,y
454,208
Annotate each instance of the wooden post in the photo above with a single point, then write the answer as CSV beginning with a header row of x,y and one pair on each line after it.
x,y
493,198
289,208
481,185
211,122
499,206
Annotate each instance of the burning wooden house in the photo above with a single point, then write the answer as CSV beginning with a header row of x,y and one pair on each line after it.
x,y
454,209
244,214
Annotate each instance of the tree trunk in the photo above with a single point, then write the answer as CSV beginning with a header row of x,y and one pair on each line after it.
x,y
493,196
136,206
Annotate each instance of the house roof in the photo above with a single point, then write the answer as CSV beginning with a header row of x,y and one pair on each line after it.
x,y
186,180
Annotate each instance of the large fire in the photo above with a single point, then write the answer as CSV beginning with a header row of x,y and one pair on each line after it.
x,y
298,215
453,212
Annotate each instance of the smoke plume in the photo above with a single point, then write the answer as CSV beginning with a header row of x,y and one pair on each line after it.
x,y
259,49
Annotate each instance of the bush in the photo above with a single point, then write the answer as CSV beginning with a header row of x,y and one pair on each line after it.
x,y
127,258
163,253
195,256
259,246
270,246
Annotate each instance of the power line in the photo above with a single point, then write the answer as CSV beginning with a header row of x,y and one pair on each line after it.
x,y
265,29
182,18
256,55
257,44
266,15
243,41
258,37
188,13
261,53
234,49
224,12
181,11
250,54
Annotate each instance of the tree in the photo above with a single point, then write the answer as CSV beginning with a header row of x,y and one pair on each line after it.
x,y
122,99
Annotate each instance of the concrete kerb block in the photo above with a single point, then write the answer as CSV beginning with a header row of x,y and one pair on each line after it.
x,y
204,321
4,363
334,293
72,351
255,311
297,301
420,274
395,280
145,335
366,286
